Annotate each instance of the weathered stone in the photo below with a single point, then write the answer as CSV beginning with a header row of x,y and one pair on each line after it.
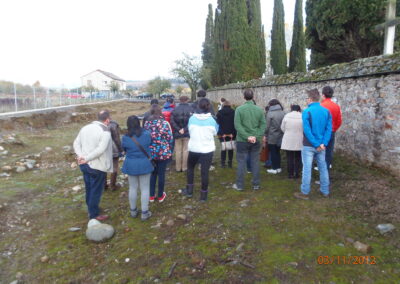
x,y
20,169
48,149
182,217
170,223
67,148
44,259
385,228
76,188
100,232
1,148
6,168
74,165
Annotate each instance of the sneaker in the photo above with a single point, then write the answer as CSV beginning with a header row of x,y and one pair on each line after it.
x,y
235,187
102,217
212,168
134,213
152,198
315,168
162,198
300,195
256,187
146,215
324,195
279,170
317,182
271,171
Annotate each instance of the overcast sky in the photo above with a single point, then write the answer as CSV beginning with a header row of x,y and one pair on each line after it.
x,y
56,42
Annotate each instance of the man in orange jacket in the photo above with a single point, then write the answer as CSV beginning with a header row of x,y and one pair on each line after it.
x,y
336,113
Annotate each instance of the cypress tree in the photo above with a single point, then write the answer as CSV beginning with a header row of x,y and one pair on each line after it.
x,y
207,53
257,36
278,44
297,60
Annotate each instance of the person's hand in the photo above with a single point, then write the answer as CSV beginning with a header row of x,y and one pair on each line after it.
x,y
251,139
264,140
182,131
81,160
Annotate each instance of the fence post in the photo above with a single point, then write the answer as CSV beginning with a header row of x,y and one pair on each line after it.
x,y
15,98
34,97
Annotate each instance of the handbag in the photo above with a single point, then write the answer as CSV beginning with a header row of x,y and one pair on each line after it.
x,y
264,154
143,151
227,145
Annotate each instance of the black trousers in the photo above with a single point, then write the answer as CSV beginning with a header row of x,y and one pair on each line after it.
x,y
293,163
205,160
223,156
275,152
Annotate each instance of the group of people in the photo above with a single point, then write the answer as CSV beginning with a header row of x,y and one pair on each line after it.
x,y
189,131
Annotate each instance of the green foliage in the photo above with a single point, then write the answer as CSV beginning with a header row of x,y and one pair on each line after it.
x,y
297,61
189,68
114,87
158,85
179,89
89,89
7,88
278,44
344,31
207,53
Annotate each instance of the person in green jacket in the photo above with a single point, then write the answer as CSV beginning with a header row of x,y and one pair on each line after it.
x,y
250,127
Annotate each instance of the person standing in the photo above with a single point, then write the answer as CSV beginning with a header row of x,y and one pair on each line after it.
x,y
179,123
93,147
226,132
317,128
161,150
221,103
202,129
336,113
147,114
117,153
169,106
137,165
292,141
250,126
195,105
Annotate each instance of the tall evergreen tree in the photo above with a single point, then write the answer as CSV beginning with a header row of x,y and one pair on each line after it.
x,y
278,44
207,53
257,35
297,60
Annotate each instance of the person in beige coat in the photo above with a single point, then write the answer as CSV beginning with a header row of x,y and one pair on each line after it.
x,y
292,141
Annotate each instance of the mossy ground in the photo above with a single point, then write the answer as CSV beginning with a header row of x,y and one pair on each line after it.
x,y
281,237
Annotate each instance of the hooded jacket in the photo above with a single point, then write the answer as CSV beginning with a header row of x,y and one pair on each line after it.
x,y
202,129
273,131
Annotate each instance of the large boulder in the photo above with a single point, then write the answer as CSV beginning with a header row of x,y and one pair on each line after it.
x,y
99,232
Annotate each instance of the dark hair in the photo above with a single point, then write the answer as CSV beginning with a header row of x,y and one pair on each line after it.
x,y
226,103
154,102
133,124
295,108
327,91
183,99
313,95
222,100
103,115
170,100
201,94
248,94
275,102
155,112
266,108
204,105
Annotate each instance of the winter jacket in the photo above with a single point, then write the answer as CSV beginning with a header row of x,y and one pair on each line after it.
x,y
202,129
167,110
94,144
292,127
115,135
226,122
335,111
146,116
180,119
317,125
197,110
249,121
273,131
161,138
136,162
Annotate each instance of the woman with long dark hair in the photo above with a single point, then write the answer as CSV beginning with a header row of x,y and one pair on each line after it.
x,y
161,150
137,165
226,132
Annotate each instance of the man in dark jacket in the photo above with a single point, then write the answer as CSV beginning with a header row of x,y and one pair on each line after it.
x,y
117,152
179,123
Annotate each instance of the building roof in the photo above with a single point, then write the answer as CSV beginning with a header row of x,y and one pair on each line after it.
x,y
108,74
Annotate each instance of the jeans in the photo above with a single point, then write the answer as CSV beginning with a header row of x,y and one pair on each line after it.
x,y
205,160
159,172
248,162
307,155
275,152
94,184
244,149
293,163
142,181
329,151
181,154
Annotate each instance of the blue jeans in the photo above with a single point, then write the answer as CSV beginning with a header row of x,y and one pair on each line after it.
x,y
243,150
94,184
307,155
159,172
329,151
248,163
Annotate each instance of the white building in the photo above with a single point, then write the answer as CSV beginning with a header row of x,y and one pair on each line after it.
x,y
102,80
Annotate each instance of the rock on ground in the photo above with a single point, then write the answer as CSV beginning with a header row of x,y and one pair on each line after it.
x,y
99,232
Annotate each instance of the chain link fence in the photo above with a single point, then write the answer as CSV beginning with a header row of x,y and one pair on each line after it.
x,y
21,98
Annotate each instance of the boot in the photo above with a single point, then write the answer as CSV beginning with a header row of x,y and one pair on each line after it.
x,y
113,182
230,164
223,164
203,195
188,191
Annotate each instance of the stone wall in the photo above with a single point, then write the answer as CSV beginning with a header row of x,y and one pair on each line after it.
x,y
368,92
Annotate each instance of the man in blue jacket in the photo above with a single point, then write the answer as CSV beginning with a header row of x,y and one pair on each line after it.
x,y
317,127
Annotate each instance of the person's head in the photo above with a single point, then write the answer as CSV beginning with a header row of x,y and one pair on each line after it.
x,y
295,108
183,99
201,94
154,102
170,100
327,91
222,100
155,112
313,96
204,105
133,124
275,102
266,109
226,103
104,117
248,94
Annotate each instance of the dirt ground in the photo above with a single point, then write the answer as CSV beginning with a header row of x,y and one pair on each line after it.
x,y
236,237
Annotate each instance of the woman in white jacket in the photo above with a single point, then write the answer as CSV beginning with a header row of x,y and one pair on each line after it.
x,y
292,141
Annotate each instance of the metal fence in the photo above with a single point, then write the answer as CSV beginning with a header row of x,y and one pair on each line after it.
x,y
39,98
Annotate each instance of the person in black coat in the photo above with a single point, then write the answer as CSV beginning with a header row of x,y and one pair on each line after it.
x,y
227,132
179,123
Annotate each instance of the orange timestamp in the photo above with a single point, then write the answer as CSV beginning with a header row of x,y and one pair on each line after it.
x,y
346,259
